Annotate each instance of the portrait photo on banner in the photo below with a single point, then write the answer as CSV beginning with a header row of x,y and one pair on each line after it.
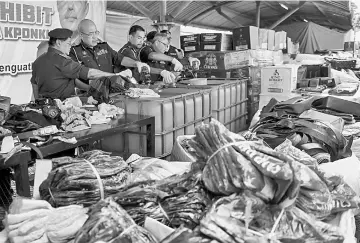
x,y
24,26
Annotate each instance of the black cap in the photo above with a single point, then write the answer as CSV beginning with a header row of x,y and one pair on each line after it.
x,y
150,36
60,33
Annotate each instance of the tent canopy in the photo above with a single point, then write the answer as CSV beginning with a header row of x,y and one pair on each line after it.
x,y
313,37
227,15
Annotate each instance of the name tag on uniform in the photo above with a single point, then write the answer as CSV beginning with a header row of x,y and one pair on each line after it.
x,y
102,52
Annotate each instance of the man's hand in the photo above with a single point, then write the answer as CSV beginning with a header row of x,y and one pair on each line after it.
x,y
126,73
192,60
169,77
139,66
178,65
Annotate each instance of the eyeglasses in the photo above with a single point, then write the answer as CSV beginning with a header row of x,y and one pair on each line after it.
x,y
166,45
91,34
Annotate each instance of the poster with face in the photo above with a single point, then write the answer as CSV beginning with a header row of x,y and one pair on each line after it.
x,y
24,27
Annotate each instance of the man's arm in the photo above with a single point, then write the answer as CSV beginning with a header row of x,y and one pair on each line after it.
x,y
35,89
95,74
75,70
129,62
81,85
34,83
156,56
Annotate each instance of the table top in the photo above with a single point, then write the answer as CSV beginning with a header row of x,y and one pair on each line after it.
x,y
120,123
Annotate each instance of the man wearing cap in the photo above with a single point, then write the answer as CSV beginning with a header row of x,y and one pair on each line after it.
x,y
178,53
149,37
172,50
131,50
55,74
98,55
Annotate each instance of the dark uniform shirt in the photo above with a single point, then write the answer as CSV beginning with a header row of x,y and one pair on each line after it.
x,y
172,52
128,50
54,73
144,57
101,57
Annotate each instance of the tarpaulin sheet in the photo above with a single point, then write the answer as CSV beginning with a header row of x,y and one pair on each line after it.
x,y
313,37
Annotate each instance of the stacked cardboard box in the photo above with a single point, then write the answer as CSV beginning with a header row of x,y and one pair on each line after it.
x,y
215,42
190,43
221,64
246,38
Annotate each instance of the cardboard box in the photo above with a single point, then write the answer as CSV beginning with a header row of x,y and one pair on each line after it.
x,y
280,40
261,58
215,42
213,74
271,40
279,79
255,74
215,47
215,38
187,39
263,38
245,38
254,89
190,47
222,60
240,73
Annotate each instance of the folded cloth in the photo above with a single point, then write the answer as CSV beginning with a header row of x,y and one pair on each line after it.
x,y
17,114
296,105
351,129
348,118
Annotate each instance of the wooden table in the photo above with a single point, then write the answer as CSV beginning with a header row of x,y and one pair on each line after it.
x,y
122,124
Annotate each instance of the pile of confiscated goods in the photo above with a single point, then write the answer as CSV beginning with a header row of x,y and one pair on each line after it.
x,y
237,191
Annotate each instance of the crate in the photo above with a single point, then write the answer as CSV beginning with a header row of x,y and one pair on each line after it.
x,y
176,112
228,102
342,64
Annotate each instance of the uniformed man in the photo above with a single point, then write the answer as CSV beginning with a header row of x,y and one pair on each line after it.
x,y
131,50
55,74
150,37
172,50
98,55
136,41
178,53
155,57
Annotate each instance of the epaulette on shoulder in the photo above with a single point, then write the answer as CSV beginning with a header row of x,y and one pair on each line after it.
x,y
102,42
65,56
75,44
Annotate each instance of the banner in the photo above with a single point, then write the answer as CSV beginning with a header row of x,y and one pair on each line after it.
x,y
26,24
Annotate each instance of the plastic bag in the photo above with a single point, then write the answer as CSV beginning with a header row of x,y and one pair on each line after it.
x,y
346,223
156,169
348,169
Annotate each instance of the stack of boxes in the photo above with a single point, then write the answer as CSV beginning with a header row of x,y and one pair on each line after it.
x,y
215,42
190,43
253,49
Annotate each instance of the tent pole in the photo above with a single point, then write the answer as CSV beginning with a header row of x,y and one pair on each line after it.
x,y
162,11
287,15
258,10
138,6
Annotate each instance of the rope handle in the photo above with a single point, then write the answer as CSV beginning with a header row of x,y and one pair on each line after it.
x,y
101,186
